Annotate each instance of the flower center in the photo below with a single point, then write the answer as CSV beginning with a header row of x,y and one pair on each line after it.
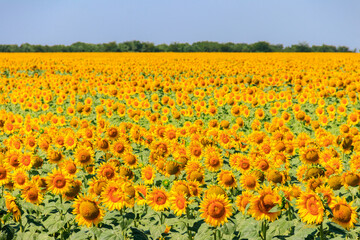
x,y
160,198
216,210
59,181
89,210
342,213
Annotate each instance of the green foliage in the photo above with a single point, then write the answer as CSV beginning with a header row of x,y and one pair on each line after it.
x,y
203,46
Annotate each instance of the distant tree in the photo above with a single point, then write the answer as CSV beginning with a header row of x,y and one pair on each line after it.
x,y
148,47
162,48
301,47
261,46
111,47
343,49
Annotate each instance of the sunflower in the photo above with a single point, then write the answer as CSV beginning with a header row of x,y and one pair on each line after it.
x,y
5,174
20,178
344,213
243,200
148,174
69,167
350,178
84,156
240,162
310,154
227,179
141,193
213,160
73,190
262,205
181,186
158,199
58,181
112,195
249,181
70,141
103,144
196,150
96,186
178,202
32,193
13,159
54,156
87,211
107,170
130,160
12,207
215,209
311,209
120,147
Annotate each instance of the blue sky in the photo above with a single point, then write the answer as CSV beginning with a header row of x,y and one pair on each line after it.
x,y
166,21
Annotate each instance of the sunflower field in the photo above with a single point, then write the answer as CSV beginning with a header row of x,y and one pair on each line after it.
x,y
179,146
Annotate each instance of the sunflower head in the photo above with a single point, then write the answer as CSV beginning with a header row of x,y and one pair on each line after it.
x,y
343,213
88,212
215,209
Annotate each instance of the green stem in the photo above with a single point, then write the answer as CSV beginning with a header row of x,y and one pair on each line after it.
x,y
215,237
135,219
263,229
322,237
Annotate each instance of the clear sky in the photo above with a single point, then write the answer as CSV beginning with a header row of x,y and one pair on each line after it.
x,y
165,21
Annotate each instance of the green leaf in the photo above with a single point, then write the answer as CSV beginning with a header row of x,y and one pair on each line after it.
x,y
228,228
302,231
156,230
111,235
137,234
81,235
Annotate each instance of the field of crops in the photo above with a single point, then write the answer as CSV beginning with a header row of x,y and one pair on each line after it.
x,y
179,146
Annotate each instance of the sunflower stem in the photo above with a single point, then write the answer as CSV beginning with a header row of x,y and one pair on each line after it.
x,y
215,237
263,230
322,237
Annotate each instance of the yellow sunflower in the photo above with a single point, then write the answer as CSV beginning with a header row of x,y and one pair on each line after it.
x,y
87,211
213,159
227,179
243,200
310,154
249,181
58,181
215,209
141,193
84,156
178,202
158,199
344,213
148,174
12,207
96,186
262,205
311,209
32,193
112,195
107,170
5,174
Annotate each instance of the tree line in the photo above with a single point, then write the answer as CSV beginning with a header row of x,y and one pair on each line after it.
x,y
203,46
